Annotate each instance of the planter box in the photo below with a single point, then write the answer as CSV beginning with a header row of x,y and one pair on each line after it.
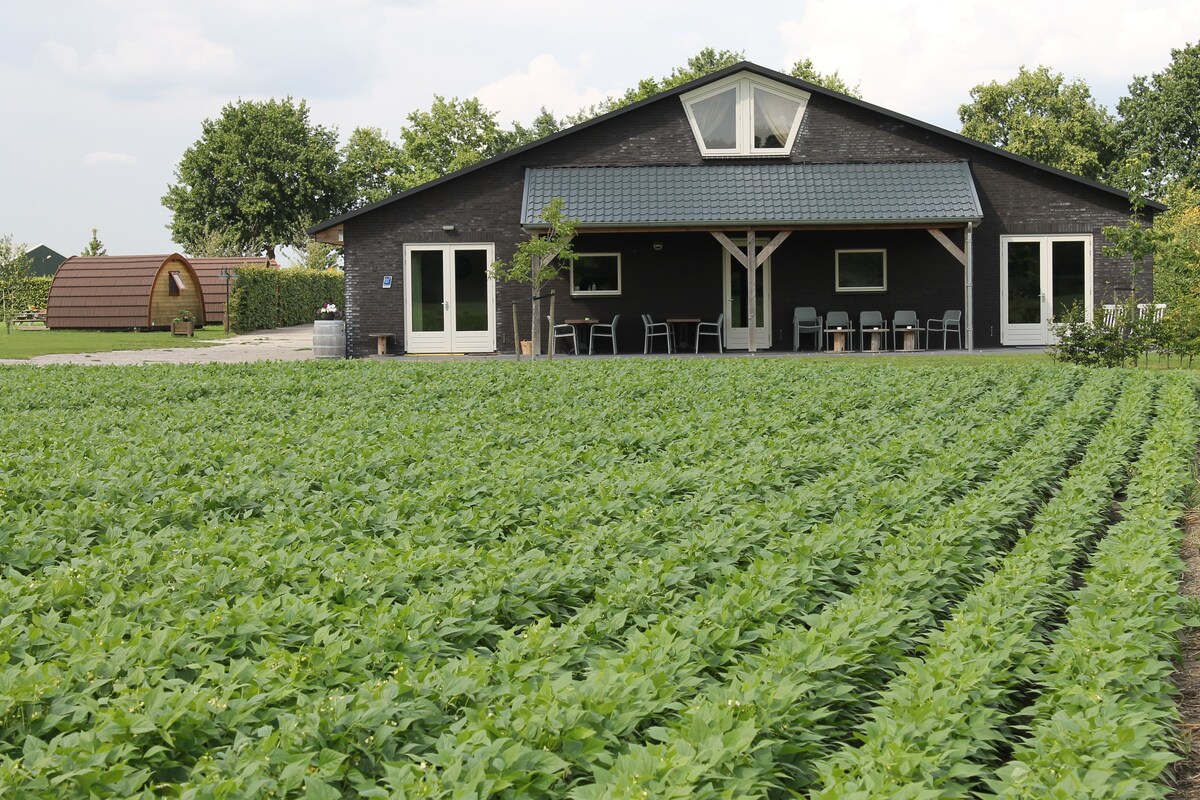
x,y
183,328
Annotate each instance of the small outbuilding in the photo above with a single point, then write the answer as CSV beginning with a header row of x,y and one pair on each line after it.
x,y
122,292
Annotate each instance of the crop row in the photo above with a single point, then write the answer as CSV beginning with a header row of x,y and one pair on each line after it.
x,y
933,730
1102,726
782,706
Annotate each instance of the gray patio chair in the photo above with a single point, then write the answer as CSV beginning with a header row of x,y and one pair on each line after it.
x,y
654,329
905,322
603,330
838,322
712,329
951,322
870,323
805,320
562,331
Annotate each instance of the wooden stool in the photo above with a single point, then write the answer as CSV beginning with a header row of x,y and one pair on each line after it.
x,y
381,342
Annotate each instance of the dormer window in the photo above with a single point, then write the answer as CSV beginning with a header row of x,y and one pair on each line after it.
x,y
745,115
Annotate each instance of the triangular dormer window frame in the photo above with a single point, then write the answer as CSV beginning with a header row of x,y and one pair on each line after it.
x,y
743,86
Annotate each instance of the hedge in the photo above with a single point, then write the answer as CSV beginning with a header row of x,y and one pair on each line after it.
x,y
261,297
32,292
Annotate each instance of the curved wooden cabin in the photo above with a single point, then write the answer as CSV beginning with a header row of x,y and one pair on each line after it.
x,y
122,292
208,270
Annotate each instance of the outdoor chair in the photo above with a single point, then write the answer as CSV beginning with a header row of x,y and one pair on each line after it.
x,y
603,330
951,322
562,331
654,329
837,323
711,329
805,320
870,323
1110,316
905,322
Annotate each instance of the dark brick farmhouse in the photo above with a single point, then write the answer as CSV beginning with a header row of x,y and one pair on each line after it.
x,y
847,206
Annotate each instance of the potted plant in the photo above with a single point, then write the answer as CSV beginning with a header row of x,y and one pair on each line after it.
x,y
329,332
184,323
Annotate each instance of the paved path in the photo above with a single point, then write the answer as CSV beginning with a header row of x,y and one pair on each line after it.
x,y
282,344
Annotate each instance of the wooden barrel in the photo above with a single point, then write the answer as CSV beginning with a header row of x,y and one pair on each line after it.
x,y
329,338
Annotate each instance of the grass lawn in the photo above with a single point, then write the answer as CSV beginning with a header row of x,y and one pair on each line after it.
x,y
39,341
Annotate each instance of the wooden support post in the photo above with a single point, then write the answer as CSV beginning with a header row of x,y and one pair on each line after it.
x,y
536,333
551,325
751,290
516,333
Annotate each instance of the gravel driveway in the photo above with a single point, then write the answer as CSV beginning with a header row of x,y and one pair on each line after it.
x,y
281,344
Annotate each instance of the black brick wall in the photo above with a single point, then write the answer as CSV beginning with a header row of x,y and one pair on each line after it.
x,y
684,278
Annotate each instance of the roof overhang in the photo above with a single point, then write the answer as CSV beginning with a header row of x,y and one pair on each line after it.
x,y
765,196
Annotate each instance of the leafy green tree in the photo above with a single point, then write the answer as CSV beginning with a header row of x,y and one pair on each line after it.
x,y
373,167
319,255
540,259
259,174
544,124
451,135
212,242
15,266
1039,115
95,247
1160,122
805,71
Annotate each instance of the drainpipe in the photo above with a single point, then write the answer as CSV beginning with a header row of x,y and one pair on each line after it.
x,y
969,286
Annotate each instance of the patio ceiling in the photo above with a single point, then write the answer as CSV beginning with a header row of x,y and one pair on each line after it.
x,y
776,196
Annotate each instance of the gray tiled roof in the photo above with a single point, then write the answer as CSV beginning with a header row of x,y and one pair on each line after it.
x,y
731,194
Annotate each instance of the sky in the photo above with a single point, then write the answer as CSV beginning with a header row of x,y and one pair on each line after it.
x,y
100,99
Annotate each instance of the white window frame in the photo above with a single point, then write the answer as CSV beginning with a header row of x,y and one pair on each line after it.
x,y
745,84
597,292
837,272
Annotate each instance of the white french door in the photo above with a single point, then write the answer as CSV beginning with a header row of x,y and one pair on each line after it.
x,y
1040,278
737,303
449,299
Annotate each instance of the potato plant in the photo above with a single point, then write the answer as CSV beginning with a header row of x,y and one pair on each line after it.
x,y
692,579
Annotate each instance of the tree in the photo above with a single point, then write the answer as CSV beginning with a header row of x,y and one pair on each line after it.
x,y
212,242
805,71
451,135
1160,122
319,255
544,124
94,247
539,260
15,267
372,166
260,174
1040,116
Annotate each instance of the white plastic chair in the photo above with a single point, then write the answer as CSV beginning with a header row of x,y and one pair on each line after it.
x,y
654,329
604,330
716,329
562,331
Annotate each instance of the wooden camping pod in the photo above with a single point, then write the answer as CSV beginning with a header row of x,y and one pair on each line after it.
x,y
123,292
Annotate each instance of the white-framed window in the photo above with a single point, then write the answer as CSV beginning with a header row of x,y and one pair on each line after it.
x,y
745,115
860,270
594,274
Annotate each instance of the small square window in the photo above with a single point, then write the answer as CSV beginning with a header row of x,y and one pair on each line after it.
x,y
861,270
596,274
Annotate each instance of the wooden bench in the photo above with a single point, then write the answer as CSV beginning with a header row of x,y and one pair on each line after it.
x,y
381,342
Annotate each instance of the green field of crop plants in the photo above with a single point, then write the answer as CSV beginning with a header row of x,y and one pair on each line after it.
x,y
610,579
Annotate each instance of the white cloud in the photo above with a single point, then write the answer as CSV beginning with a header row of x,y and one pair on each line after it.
x,y
545,82
103,158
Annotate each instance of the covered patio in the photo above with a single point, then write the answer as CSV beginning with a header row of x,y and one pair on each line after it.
x,y
684,241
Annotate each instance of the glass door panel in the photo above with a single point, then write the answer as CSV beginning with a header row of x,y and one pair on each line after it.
x,y
737,305
1068,284
1024,283
470,290
428,291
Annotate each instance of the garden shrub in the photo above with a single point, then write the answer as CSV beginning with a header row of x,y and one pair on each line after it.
x,y
261,297
31,292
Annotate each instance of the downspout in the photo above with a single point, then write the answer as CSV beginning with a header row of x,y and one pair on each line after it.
x,y
969,286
